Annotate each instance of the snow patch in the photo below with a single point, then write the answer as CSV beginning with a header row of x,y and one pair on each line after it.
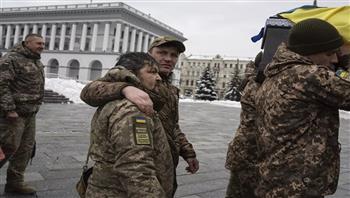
x,y
226,103
69,88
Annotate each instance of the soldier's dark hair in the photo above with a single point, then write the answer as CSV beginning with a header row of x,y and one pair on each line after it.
x,y
134,61
29,36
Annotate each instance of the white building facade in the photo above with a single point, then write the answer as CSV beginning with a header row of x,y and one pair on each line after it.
x,y
223,67
82,41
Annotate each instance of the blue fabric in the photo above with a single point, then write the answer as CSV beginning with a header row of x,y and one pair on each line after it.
x,y
258,36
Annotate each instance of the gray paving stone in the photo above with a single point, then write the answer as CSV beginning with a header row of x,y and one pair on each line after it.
x,y
63,140
191,196
28,177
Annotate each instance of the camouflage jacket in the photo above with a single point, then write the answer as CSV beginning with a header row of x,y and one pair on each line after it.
x,y
105,89
242,153
21,81
131,153
298,123
242,150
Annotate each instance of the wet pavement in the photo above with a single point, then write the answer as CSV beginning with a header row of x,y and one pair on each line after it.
x,y
63,140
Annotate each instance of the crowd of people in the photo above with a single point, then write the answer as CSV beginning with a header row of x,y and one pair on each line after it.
x,y
286,144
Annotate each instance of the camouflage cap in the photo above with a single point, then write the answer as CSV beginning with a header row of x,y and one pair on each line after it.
x,y
168,40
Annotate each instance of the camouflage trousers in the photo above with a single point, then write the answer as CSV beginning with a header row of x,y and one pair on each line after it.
x,y
19,140
242,184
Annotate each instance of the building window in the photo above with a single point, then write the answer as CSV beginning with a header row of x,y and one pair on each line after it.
x,y
192,73
191,82
230,65
241,66
224,76
208,64
225,65
186,82
223,85
182,63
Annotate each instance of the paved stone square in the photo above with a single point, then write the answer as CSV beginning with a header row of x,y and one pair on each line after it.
x,y
63,139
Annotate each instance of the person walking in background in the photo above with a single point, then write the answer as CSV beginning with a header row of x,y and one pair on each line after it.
x,y
298,114
21,93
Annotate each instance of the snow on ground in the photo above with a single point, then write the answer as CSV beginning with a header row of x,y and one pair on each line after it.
x,y
226,103
71,89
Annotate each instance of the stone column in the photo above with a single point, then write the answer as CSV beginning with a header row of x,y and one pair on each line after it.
x,y
125,39
25,31
16,36
63,36
1,32
72,36
35,29
106,37
52,37
94,37
117,37
83,37
43,31
133,39
8,36
139,42
145,43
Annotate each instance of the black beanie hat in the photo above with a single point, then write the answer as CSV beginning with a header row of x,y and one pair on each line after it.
x,y
312,36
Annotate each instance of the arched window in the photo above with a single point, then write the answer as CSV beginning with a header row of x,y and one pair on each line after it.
x,y
73,69
53,66
95,70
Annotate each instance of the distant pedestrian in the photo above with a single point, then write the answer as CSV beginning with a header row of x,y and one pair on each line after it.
x,y
21,94
298,114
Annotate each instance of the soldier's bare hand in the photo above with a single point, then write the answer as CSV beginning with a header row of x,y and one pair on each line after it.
x,y
193,165
140,98
2,154
11,116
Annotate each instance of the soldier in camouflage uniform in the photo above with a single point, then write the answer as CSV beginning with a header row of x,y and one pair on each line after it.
x,y
166,51
242,151
130,149
298,114
21,93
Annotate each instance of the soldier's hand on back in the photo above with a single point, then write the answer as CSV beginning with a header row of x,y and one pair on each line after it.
x,y
193,165
11,116
140,98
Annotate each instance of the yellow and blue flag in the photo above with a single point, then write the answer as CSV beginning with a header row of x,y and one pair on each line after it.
x,y
339,17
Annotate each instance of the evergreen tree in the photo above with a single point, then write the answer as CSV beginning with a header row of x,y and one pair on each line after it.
x,y
233,87
206,87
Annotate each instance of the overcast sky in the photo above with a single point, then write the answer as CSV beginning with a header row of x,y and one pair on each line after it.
x,y
212,27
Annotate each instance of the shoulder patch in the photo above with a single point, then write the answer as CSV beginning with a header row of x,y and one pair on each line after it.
x,y
141,132
343,74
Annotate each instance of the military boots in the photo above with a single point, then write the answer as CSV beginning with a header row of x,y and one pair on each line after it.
x,y
19,188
